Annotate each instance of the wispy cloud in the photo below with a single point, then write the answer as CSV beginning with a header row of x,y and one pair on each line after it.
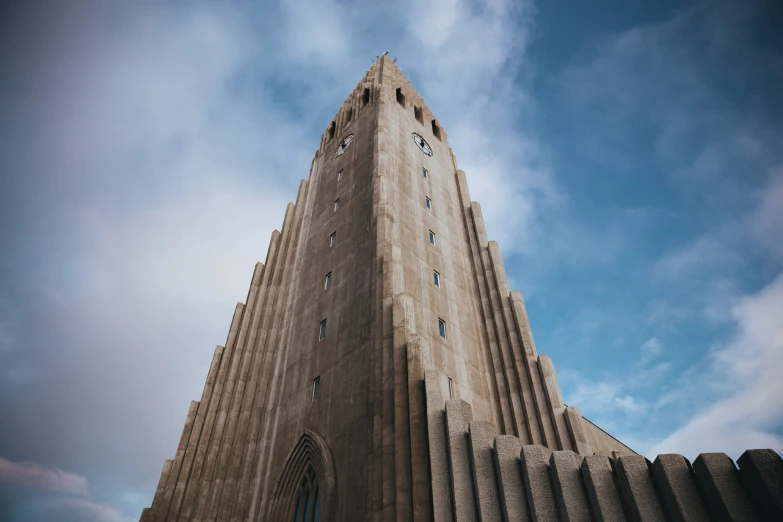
x,y
60,495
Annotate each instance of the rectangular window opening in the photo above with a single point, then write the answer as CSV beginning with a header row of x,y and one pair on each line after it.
x,y
340,175
428,202
322,331
328,281
332,239
332,129
435,129
424,173
348,115
337,204
451,389
441,327
400,97
436,278
366,96
316,387
417,113
432,237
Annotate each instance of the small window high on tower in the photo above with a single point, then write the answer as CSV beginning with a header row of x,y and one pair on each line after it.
x,y
400,97
332,129
435,129
316,388
348,115
366,96
442,327
417,113
322,331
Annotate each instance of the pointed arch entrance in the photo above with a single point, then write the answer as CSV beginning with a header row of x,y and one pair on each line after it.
x,y
305,490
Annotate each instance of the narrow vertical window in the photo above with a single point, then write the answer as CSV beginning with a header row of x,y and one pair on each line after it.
x,y
333,239
322,331
400,97
428,202
451,389
432,237
340,175
424,173
366,96
441,327
337,204
332,128
328,281
435,129
317,387
348,115
417,113
436,278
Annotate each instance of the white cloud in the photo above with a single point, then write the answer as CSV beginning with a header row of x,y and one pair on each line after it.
x,y
33,475
750,366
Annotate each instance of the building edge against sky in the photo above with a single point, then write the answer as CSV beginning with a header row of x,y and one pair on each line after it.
x,y
381,368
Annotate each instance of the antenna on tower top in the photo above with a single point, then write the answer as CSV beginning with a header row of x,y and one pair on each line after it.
x,y
385,53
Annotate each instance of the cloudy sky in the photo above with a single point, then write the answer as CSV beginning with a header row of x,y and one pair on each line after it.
x,y
629,159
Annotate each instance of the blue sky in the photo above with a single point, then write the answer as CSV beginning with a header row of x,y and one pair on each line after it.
x,y
628,160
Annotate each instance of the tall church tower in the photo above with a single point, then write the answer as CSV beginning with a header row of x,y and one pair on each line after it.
x,y
378,345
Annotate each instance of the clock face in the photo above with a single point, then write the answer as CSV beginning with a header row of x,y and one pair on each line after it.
x,y
343,145
423,145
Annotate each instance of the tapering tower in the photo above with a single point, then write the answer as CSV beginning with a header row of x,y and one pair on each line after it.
x,y
379,331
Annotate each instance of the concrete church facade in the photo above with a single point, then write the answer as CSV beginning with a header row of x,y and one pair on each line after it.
x,y
381,369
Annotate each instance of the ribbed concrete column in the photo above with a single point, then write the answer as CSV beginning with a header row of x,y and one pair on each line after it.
x,y
207,495
513,500
482,436
458,418
555,401
601,489
718,480
636,485
576,431
761,472
417,406
159,492
403,321
535,472
569,492
437,439
168,493
674,476
193,441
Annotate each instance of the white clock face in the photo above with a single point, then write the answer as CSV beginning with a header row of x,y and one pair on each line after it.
x,y
423,145
343,145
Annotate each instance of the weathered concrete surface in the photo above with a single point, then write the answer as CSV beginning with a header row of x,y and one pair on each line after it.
x,y
378,438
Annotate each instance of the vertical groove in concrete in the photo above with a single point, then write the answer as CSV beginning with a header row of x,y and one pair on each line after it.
x,y
674,477
205,505
513,501
189,500
505,387
516,356
270,344
420,473
555,401
193,441
579,442
486,334
569,492
402,317
521,428
535,472
531,369
458,418
481,436
158,498
173,477
601,489
233,446
719,482
437,441
761,473
636,486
